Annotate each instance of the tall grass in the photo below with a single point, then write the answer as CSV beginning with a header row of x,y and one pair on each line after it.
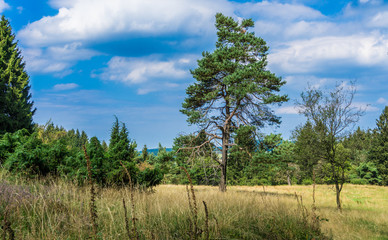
x,y
56,209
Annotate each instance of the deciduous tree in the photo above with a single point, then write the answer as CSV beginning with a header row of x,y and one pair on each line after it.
x,y
331,115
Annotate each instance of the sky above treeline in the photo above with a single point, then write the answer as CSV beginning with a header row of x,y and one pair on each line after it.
x,y
89,60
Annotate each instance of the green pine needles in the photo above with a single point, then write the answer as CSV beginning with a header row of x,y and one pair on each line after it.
x,y
16,109
233,88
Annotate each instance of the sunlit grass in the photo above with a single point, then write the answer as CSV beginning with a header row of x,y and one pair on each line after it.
x,y
59,210
364,214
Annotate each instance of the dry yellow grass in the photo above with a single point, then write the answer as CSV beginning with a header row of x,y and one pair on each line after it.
x,y
59,210
365,208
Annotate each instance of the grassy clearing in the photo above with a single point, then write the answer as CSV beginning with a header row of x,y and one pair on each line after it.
x,y
365,208
59,210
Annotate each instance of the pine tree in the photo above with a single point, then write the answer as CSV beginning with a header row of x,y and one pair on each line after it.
x,y
379,149
233,88
16,109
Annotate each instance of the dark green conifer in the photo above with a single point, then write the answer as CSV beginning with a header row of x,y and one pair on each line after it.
x,y
16,109
379,150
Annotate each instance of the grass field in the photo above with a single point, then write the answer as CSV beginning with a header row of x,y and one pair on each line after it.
x,y
58,210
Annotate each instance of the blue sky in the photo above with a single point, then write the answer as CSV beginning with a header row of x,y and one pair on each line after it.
x,y
89,60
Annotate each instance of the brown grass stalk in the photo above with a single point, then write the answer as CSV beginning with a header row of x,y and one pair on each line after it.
x,y
133,213
126,220
206,221
193,205
93,195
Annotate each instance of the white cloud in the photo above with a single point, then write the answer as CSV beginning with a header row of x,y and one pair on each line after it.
x,y
382,101
79,20
3,5
65,86
287,110
365,106
317,53
20,9
307,29
380,20
136,71
279,11
56,58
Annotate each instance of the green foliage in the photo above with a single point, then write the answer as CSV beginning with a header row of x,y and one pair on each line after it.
x,y
235,73
233,86
378,153
16,109
144,154
150,177
307,149
97,159
121,148
29,155
271,163
198,161
51,150
369,173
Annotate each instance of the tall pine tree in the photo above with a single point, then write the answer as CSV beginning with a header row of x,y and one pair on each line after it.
x,y
233,88
16,109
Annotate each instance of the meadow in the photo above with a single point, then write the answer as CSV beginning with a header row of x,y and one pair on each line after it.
x,y
57,209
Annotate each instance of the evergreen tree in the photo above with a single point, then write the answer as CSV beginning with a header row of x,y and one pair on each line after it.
x,y
114,133
144,154
307,150
97,158
16,109
233,87
121,148
379,150
104,146
84,139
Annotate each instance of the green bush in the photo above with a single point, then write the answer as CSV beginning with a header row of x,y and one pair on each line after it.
x,y
307,181
359,181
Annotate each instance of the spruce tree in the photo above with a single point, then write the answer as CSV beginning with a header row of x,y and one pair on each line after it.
x,y
379,149
121,149
16,109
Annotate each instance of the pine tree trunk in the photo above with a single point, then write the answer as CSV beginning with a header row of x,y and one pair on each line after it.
x,y
223,165
223,178
224,161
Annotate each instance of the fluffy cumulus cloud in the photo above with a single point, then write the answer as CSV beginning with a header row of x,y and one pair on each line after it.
x,y
318,54
304,42
3,5
149,74
76,20
135,71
